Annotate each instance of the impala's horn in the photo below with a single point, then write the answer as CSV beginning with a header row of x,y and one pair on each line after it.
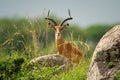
x,y
47,18
69,18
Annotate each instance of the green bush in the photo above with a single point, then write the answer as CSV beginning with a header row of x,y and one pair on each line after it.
x,y
17,67
9,67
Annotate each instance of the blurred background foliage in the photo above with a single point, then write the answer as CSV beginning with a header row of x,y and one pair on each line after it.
x,y
32,35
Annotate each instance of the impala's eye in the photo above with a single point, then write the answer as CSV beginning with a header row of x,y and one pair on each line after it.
x,y
51,26
64,26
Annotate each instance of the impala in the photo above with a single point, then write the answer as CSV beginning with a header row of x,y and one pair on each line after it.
x,y
73,53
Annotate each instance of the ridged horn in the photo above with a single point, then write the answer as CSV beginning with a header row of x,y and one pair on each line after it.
x,y
47,18
69,18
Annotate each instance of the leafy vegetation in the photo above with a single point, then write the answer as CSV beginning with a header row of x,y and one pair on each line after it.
x,y
110,64
18,68
118,75
24,39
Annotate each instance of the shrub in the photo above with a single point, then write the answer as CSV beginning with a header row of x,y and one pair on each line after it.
x,y
9,67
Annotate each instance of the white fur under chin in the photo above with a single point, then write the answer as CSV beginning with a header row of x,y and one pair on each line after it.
x,y
57,36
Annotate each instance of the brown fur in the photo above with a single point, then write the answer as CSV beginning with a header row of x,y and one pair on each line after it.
x,y
73,53
69,51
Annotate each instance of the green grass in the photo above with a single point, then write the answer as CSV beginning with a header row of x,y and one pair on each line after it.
x,y
78,72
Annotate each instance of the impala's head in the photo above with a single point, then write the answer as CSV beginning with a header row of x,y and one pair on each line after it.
x,y
58,27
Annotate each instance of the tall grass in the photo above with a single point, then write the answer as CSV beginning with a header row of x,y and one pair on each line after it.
x,y
27,37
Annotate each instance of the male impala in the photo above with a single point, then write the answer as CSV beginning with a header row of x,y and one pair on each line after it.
x,y
69,51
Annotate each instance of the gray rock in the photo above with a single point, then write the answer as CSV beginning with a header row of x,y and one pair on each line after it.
x,y
53,60
107,51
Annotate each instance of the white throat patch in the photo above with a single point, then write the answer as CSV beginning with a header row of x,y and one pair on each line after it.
x,y
57,36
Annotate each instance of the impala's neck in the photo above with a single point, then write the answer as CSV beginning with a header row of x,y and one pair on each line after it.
x,y
59,42
59,45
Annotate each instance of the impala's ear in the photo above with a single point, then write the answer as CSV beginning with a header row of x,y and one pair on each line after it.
x,y
64,26
51,25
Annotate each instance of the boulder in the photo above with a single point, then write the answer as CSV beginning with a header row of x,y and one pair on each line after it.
x,y
106,57
53,60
